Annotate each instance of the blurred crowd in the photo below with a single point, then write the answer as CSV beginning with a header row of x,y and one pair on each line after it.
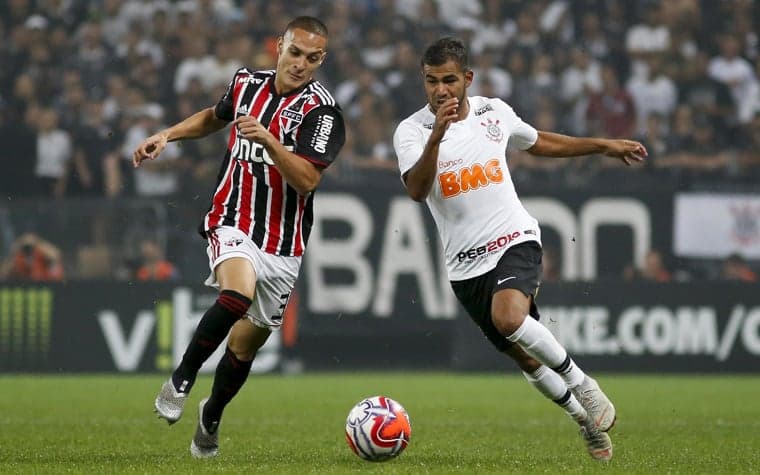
x,y
82,82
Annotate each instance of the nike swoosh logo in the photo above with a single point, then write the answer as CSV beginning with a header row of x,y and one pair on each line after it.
x,y
501,281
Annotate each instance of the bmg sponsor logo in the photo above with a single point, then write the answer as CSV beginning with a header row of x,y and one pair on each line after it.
x,y
470,178
488,248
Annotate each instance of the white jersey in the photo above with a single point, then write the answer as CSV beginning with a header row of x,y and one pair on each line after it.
x,y
473,200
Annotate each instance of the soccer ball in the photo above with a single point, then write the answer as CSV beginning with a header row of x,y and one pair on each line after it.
x,y
378,429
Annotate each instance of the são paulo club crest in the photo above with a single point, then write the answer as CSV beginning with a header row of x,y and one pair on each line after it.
x,y
292,116
493,131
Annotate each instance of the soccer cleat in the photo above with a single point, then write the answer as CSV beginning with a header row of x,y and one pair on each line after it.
x,y
169,403
205,444
599,408
598,443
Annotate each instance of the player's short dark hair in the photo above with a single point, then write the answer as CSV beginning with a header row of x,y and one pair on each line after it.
x,y
445,49
308,23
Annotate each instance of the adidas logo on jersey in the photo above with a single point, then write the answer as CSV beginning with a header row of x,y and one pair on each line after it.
x,y
243,110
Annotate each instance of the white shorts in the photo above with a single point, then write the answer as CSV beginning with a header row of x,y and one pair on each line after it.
x,y
275,275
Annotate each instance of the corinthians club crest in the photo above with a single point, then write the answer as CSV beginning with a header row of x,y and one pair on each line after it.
x,y
493,131
746,229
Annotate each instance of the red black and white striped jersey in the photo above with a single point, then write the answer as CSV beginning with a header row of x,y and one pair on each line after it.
x,y
251,194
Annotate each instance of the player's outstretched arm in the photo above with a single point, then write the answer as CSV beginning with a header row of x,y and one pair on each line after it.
x,y
550,144
197,125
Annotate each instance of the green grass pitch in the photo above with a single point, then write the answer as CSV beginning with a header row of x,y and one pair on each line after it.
x,y
461,423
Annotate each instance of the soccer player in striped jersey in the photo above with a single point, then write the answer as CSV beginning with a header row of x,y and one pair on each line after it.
x,y
452,155
286,129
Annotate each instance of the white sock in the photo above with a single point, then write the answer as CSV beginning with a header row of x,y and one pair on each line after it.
x,y
551,385
539,343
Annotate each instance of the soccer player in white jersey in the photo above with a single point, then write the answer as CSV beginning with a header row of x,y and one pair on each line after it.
x,y
452,155
287,129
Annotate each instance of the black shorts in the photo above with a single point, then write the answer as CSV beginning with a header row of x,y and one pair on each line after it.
x,y
519,268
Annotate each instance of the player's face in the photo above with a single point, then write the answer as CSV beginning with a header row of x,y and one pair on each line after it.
x,y
299,54
444,82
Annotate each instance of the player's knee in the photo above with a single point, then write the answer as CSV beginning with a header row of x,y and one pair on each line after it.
x,y
243,354
508,310
245,340
245,291
242,349
508,320
235,302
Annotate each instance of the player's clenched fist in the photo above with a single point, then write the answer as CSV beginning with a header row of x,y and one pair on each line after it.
x,y
448,112
251,129
149,149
